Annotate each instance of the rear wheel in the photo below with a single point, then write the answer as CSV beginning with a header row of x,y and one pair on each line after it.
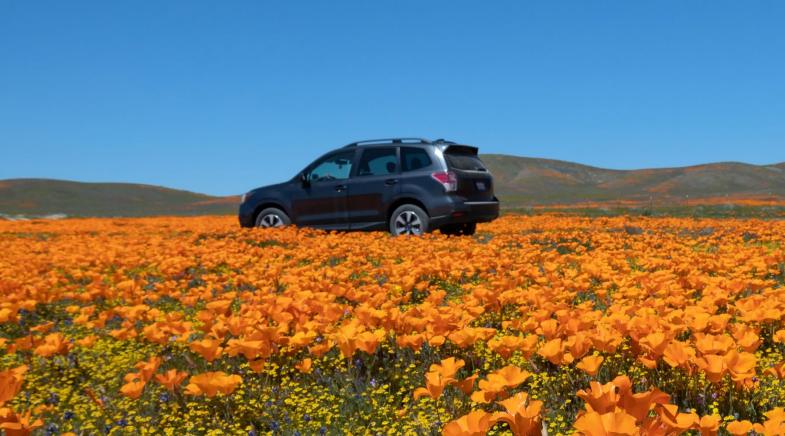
x,y
272,217
409,220
466,229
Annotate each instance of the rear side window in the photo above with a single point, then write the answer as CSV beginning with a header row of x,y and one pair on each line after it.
x,y
413,159
466,162
378,162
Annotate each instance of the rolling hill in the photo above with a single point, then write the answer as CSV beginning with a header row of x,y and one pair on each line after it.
x,y
529,182
41,197
520,182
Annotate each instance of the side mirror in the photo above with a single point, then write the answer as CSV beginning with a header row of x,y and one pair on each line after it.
x,y
304,180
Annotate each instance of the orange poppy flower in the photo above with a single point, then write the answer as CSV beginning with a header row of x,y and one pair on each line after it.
x,y
21,425
590,364
713,365
434,385
600,398
713,344
739,428
148,368
552,351
654,343
774,424
638,405
368,341
304,366
134,385
413,341
54,344
11,382
302,339
612,423
678,354
677,422
521,414
345,338
213,383
209,349
506,345
219,307
474,423
497,382
777,370
250,349
87,341
741,366
709,425
448,367
171,379
467,385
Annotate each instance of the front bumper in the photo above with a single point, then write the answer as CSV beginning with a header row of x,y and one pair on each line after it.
x,y
245,215
468,212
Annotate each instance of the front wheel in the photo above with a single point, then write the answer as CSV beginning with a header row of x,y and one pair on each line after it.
x,y
409,220
272,217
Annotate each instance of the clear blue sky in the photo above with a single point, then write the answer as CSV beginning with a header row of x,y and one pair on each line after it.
x,y
220,97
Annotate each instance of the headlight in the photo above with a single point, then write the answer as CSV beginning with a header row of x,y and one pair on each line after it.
x,y
242,198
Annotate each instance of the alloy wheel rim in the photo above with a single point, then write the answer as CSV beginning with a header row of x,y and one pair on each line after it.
x,y
408,223
270,220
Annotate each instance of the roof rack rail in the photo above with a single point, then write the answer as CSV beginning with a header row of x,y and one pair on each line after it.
x,y
389,141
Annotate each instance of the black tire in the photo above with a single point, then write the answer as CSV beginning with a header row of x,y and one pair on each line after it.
x,y
409,220
451,230
272,217
467,229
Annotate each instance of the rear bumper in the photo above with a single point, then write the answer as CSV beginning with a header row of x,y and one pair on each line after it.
x,y
468,212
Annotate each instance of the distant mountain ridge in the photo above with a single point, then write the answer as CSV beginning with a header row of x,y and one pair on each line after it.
x,y
519,182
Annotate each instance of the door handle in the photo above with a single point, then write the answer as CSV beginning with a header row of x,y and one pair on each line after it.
x,y
390,182
340,188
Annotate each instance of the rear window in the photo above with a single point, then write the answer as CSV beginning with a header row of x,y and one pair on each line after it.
x,y
466,162
413,159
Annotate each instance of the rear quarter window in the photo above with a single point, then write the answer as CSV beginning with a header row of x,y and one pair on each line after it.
x,y
413,159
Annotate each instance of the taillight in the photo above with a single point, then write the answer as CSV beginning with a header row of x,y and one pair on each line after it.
x,y
448,179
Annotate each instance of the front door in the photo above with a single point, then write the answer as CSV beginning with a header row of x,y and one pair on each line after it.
x,y
322,200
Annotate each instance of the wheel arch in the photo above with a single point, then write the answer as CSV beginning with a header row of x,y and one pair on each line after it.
x,y
405,200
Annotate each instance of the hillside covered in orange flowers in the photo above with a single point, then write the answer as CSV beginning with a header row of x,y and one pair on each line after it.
x,y
593,326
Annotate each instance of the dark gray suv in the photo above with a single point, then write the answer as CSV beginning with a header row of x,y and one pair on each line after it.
x,y
404,185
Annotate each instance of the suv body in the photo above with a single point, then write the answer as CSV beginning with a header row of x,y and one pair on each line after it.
x,y
361,186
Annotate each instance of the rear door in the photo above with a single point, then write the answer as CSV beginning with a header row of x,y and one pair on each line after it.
x,y
373,187
322,202
474,181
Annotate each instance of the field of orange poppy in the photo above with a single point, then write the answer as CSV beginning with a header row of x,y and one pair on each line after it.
x,y
546,323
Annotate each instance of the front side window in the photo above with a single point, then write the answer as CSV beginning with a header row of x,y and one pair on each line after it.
x,y
378,162
334,167
413,159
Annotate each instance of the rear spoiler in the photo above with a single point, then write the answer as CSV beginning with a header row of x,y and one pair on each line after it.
x,y
461,149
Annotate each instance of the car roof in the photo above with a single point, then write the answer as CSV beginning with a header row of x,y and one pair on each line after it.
x,y
397,142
